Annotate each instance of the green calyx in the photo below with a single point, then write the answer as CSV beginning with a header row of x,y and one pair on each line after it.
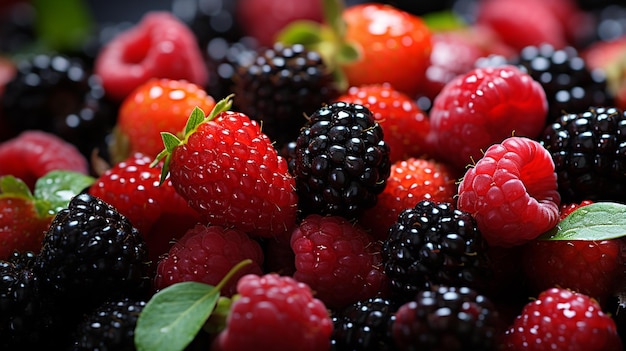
x,y
328,39
196,118
597,221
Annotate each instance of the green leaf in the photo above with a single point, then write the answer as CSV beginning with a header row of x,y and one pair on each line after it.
x,y
597,221
58,187
333,11
174,315
195,118
12,186
170,141
348,52
221,106
307,33
62,25
443,21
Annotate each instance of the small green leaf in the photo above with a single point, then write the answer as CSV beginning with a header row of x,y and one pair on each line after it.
x,y
597,221
221,106
307,33
63,25
333,11
170,141
195,118
443,21
58,187
12,186
348,52
174,315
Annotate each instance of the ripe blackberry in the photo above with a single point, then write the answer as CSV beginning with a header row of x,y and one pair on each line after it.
x,y
282,85
447,318
110,326
90,254
589,153
23,260
433,244
569,85
223,59
342,162
364,325
57,94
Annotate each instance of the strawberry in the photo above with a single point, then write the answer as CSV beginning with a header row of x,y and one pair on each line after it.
x,y
229,171
158,212
157,105
159,46
396,113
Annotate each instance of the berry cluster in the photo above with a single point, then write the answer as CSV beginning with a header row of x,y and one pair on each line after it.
x,y
326,175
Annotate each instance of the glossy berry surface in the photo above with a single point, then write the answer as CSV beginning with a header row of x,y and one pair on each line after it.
x,y
364,325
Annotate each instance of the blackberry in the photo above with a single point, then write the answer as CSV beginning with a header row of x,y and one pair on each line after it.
x,y
342,162
570,86
433,244
110,326
23,260
364,325
589,153
223,60
92,253
282,85
56,93
447,318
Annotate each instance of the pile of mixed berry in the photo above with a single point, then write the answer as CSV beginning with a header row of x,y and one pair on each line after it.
x,y
314,175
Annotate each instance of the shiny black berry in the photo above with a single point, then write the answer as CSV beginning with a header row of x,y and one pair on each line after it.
x,y
364,325
433,244
589,153
342,161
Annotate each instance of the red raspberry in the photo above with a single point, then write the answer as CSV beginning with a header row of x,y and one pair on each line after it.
x,y
338,259
275,312
33,153
159,46
396,113
512,192
206,254
560,319
483,107
409,182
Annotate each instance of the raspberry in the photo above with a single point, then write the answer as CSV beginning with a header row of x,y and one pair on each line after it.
x,y
560,319
33,153
205,254
447,318
410,181
337,259
512,192
159,46
275,312
482,107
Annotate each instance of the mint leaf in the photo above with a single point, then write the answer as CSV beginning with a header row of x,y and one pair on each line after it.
x,y
174,315
597,221
58,187
12,186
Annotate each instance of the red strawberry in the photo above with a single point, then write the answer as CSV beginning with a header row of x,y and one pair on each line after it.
x,y
339,260
206,254
230,172
483,107
410,181
512,192
394,47
33,153
159,46
158,105
560,319
158,212
396,113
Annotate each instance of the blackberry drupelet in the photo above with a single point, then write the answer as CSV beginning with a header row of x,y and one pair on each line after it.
x,y
447,318
433,244
342,161
282,85
570,86
92,253
364,325
110,326
589,153
58,94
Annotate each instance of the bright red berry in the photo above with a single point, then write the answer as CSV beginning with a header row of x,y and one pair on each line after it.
x,y
33,153
158,105
395,46
230,172
560,319
512,192
206,254
338,259
275,312
157,211
404,124
483,107
410,181
159,46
